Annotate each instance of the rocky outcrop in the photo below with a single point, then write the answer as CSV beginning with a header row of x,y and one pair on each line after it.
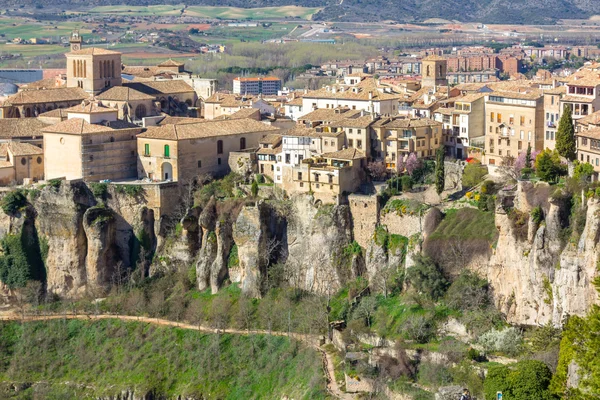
x,y
534,280
101,258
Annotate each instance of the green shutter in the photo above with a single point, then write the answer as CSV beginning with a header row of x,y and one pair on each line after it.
x,y
167,150
147,149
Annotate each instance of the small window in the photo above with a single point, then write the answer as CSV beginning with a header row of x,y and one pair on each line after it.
x,y
219,147
242,143
219,161
39,160
199,164
23,161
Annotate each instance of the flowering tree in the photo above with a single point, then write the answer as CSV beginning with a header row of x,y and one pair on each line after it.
x,y
412,163
522,160
377,171
400,166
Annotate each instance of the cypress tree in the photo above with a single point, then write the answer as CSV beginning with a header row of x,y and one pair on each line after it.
x,y
439,170
565,136
528,157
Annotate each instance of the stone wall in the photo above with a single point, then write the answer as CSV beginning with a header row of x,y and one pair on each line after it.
x,y
365,216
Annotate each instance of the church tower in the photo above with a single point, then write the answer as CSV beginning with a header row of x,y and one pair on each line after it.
x,y
93,69
75,41
433,71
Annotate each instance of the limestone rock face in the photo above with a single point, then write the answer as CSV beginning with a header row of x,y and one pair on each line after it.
x,y
60,222
535,281
101,258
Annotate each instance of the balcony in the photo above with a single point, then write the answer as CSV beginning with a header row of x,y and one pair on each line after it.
x,y
551,124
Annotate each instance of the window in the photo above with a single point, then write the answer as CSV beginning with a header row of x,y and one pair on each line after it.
x,y
326,143
288,159
301,184
520,145
219,161
499,119
330,178
23,161
492,117
200,164
522,135
350,143
242,143
39,160
529,136
167,151
522,120
219,147
359,144
140,111
147,149
299,176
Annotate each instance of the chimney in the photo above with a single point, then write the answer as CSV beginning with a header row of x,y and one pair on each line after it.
x,y
370,95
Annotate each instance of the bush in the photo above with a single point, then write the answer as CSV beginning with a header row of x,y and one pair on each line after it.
x,y
434,375
473,174
55,183
468,292
583,171
488,187
537,215
526,380
508,341
548,167
130,190
260,178
420,328
99,190
13,202
407,183
427,278
254,189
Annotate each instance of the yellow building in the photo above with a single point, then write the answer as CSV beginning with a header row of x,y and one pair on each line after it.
x,y
182,152
20,162
514,120
92,144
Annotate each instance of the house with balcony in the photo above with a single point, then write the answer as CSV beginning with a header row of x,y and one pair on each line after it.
x,y
330,176
552,112
582,93
514,120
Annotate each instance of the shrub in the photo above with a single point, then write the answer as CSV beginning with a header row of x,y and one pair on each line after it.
x,y
473,174
254,189
407,183
434,375
583,171
260,178
427,278
537,215
508,341
130,190
420,328
496,381
353,249
488,187
519,221
55,183
468,292
13,202
548,167
233,260
99,190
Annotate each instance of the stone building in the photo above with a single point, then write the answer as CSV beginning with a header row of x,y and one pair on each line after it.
x,y
93,69
130,102
31,103
434,70
182,152
20,162
92,144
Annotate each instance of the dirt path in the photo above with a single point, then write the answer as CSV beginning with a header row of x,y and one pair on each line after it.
x,y
313,341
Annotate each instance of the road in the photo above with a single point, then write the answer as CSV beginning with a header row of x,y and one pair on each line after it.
x,y
313,341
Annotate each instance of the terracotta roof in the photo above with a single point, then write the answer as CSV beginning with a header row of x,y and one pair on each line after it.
x,y
329,114
229,100
24,149
531,94
274,150
48,83
584,77
206,129
556,90
47,96
56,113
411,123
89,51
160,87
593,133
470,87
122,93
168,120
359,122
3,150
21,127
592,119
445,110
345,154
271,138
578,99
295,102
246,113
79,126
367,87
300,130
171,63
91,107
469,97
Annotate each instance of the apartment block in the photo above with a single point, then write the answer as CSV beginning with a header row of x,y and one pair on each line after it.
x,y
268,86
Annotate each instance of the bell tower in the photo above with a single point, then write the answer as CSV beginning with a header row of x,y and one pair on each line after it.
x,y
433,71
75,41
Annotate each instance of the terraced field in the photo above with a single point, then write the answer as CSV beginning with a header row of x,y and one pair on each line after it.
x,y
252,13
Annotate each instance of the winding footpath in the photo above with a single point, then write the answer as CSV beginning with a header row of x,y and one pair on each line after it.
x,y
313,341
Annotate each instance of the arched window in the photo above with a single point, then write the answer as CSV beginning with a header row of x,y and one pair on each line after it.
x,y
27,112
188,102
17,113
242,143
84,69
140,111
167,151
428,71
101,70
74,68
440,73
23,161
219,147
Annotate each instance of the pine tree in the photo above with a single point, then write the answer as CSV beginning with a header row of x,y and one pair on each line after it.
x,y
439,170
565,136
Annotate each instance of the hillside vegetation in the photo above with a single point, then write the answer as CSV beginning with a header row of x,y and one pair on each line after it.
x,y
106,357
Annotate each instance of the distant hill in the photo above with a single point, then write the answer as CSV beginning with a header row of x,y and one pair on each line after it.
x,y
486,11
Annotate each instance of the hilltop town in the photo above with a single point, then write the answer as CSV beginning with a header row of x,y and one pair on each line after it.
x,y
415,227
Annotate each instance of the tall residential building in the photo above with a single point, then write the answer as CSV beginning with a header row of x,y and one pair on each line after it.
x,y
268,86
514,120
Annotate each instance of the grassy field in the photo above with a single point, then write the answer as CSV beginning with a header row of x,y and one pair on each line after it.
x,y
27,29
139,10
102,358
252,13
